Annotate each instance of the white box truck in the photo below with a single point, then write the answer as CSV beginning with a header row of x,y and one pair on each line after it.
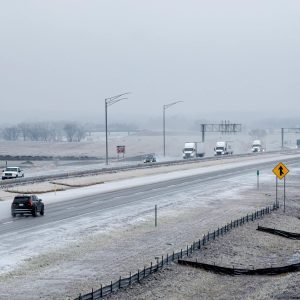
x,y
193,150
223,148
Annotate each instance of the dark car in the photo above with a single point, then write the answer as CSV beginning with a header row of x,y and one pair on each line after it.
x,y
29,204
150,158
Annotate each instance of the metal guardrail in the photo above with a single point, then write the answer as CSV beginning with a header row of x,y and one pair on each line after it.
x,y
22,181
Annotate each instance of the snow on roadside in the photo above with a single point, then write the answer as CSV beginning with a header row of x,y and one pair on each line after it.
x,y
70,246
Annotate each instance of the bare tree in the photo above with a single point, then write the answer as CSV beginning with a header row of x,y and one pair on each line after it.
x,y
10,133
80,134
71,130
56,131
24,127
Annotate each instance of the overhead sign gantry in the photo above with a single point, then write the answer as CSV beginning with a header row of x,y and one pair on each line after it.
x,y
225,127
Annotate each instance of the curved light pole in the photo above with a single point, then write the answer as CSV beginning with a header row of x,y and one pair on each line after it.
x,y
164,121
108,102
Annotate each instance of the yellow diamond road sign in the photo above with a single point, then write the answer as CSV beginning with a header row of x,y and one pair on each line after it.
x,y
280,170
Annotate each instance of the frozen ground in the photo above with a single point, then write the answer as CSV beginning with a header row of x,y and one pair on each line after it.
x,y
77,255
136,147
136,144
244,247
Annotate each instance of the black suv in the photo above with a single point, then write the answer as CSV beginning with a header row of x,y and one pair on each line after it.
x,y
27,205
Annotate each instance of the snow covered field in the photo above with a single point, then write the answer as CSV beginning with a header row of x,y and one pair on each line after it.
x,y
76,255
136,144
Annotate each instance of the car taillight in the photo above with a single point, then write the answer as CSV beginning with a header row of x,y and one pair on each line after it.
x,y
30,202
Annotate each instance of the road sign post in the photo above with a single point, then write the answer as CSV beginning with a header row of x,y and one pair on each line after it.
x,y
280,171
257,173
284,194
155,212
276,198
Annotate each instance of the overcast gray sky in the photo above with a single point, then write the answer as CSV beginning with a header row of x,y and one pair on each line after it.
x,y
59,59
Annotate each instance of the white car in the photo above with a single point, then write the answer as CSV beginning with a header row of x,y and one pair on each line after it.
x,y
12,172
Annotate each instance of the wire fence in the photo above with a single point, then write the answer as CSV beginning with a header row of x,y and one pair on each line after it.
x,y
173,257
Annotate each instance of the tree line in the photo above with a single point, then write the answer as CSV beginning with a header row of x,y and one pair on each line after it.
x,y
45,131
57,131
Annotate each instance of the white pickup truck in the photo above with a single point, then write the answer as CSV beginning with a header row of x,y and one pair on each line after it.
x,y
12,172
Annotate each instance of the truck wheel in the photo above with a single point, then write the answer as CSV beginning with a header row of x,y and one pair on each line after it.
x,y
42,212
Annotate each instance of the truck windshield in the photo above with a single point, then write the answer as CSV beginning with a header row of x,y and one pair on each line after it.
x,y
220,148
12,169
188,149
256,145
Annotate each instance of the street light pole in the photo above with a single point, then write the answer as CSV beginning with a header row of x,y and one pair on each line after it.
x,y
106,144
165,106
108,102
164,128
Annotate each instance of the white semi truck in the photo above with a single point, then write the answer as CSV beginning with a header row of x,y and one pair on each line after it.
x,y
257,146
193,150
223,148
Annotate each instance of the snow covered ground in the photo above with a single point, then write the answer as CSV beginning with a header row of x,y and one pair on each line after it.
x,y
76,255
137,144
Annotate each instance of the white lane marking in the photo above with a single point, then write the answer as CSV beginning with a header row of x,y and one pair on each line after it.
x,y
7,222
